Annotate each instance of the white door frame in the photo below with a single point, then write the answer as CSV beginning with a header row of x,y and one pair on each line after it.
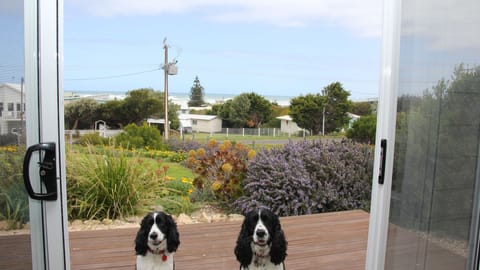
x,y
386,120
44,118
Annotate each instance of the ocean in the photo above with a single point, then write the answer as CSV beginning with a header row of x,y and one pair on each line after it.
x,y
178,98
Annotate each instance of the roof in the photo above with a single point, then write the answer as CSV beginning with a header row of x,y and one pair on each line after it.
x,y
353,116
156,121
285,117
186,116
13,86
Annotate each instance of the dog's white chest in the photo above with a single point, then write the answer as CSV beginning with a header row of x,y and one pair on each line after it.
x,y
264,264
154,262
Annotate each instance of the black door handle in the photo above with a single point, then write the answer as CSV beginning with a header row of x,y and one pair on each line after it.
x,y
383,158
47,171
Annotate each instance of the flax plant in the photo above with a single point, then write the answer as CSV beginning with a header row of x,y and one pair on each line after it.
x,y
109,184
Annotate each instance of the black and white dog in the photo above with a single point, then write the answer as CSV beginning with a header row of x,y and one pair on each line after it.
x,y
261,243
156,242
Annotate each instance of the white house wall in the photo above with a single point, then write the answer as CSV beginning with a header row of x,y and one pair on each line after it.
x,y
289,127
9,119
208,126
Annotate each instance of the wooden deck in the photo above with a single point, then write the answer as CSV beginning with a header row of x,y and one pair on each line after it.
x,y
323,241
331,241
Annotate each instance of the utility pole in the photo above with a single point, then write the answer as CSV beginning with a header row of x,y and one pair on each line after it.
x,y
165,94
325,94
169,69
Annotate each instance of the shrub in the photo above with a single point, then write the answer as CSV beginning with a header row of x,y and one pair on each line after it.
x,y
14,206
109,184
363,130
140,137
220,167
93,138
13,198
176,197
309,177
182,145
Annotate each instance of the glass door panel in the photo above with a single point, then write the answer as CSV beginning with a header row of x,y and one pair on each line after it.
x,y
31,96
433,220
14,207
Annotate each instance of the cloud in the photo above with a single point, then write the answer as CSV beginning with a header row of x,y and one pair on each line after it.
x,y
361,17
445,26
14,8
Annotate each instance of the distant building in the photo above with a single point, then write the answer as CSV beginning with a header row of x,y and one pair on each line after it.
x,y
352,118
12,108
200,123
287,125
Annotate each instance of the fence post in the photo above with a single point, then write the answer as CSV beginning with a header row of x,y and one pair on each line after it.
x,y
227,132
243,132
258,132
273,132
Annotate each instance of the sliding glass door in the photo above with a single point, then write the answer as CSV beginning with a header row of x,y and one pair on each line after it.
x,y
33,233
425,215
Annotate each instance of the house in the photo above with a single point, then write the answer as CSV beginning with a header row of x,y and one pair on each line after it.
x,y
287,125
352,118
200,123
11,108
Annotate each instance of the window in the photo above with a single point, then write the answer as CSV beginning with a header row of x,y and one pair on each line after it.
x,y
10,106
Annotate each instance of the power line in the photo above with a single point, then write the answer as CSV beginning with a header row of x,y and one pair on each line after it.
x,y
112,76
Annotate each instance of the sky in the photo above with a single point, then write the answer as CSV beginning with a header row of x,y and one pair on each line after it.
x,y
270,47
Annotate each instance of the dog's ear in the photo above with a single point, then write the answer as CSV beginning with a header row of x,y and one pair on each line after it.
x,y
278,250
141,246
173,237
243,250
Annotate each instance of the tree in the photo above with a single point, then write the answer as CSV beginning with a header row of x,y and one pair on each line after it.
x,y
247,110
336,107
81,113
238,113
307,112
196,94
141,104
223,111
362,108
260,110
113,113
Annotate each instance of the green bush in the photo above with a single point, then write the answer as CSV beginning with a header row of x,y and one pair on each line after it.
x,y
109,184
94,139
140,137
13,198
363,130
14,206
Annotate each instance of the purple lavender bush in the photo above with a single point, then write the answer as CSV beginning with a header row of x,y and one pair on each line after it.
x,y
309,177
176,144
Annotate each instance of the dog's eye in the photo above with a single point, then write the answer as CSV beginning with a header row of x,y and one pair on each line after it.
x,y
265,218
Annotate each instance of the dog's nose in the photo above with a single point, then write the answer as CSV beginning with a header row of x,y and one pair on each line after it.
x,y
153,236
260,233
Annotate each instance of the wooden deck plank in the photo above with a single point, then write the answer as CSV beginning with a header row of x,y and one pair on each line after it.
x,y
324,241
